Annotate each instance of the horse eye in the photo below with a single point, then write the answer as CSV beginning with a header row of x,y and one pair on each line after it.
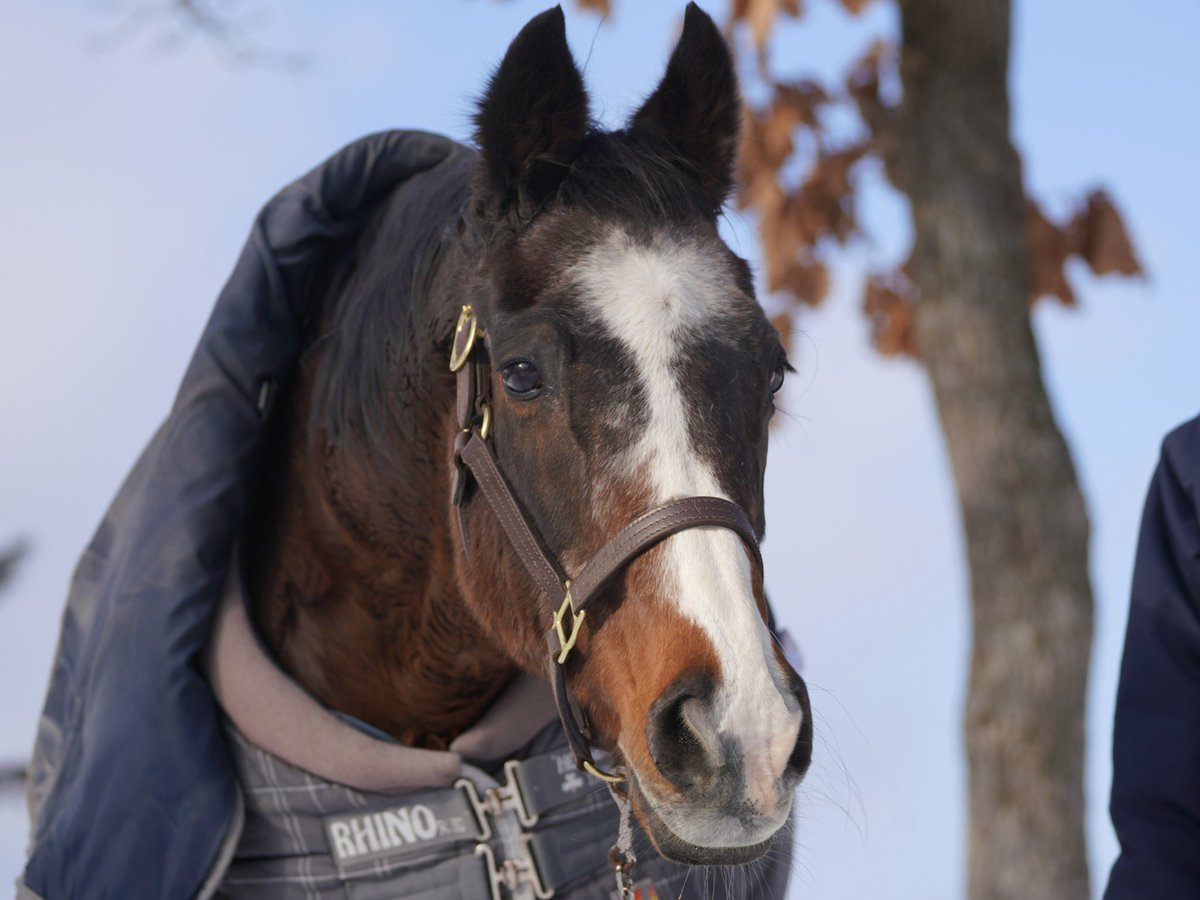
x,y
521,379
777,378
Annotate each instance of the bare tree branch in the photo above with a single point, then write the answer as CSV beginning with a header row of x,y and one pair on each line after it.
x,y
170,23
10,559
12,778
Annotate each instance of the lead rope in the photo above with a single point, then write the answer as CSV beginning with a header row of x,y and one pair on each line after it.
x,y
621,857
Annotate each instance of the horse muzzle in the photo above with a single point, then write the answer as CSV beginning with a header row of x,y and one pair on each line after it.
x,y
712,796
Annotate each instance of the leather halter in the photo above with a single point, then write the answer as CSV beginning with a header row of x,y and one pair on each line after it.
x,y
568,598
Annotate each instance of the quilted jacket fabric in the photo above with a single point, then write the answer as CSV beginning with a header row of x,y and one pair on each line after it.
x,y
115,817
1156,742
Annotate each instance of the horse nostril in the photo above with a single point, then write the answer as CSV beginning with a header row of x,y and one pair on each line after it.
x,y
682,735
696,716
801,755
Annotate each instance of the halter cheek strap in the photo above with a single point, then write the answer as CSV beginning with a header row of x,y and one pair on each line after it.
x,y
568,599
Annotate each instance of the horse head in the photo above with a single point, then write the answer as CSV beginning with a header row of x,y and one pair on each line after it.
x,y
629,365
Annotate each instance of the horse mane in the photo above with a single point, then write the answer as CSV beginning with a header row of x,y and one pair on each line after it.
x,y
368,303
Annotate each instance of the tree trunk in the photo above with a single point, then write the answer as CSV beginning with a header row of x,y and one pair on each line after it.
x,y
1023,513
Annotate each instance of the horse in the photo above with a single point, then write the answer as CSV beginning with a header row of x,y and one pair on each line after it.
x,y
463,422
612,359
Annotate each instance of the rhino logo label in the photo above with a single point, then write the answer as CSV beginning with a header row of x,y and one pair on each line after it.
x,y
374,835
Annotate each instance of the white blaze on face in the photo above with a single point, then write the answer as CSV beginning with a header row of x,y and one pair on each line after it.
x,y
648,297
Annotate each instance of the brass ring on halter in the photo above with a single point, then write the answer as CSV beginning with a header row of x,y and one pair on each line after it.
x,y
467,322
603,776
486,427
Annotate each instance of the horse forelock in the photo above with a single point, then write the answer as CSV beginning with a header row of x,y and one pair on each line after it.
x,y
634,175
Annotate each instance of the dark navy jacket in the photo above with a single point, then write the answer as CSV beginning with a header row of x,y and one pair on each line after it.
x,y
131,785
1156,742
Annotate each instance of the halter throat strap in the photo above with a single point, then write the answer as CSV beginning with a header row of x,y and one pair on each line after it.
x,y
567,599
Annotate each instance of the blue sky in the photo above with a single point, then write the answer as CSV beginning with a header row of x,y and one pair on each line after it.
x,y
133,175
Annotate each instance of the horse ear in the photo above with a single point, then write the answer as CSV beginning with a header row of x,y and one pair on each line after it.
x,y
532,117
696,106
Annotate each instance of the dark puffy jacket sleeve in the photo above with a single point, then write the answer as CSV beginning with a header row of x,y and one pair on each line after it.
x,y
1156,741
131,788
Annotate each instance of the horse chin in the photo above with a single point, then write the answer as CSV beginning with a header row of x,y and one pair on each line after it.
x,y
675,848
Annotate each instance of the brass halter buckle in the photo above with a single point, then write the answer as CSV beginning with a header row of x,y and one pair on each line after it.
x,y
567,642
465,333
485,427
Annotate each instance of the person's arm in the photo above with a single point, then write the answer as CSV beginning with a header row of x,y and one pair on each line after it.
x,y
1155,803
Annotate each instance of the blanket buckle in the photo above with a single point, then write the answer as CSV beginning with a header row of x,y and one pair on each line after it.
x,y
514,872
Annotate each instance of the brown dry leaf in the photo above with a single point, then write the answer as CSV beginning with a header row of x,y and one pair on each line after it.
x,y
604,7
751,159
767,136
862,81
778,245
759,191
878,113
789,264
824,203
783,324
835,168
797,102
791,226
808,281
777,142
760,15
1098,234
888,303
809,215
1049,247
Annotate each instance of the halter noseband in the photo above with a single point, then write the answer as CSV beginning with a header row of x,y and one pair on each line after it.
x,y
566,597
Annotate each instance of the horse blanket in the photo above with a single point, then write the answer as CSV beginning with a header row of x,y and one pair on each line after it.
x,y
136,782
